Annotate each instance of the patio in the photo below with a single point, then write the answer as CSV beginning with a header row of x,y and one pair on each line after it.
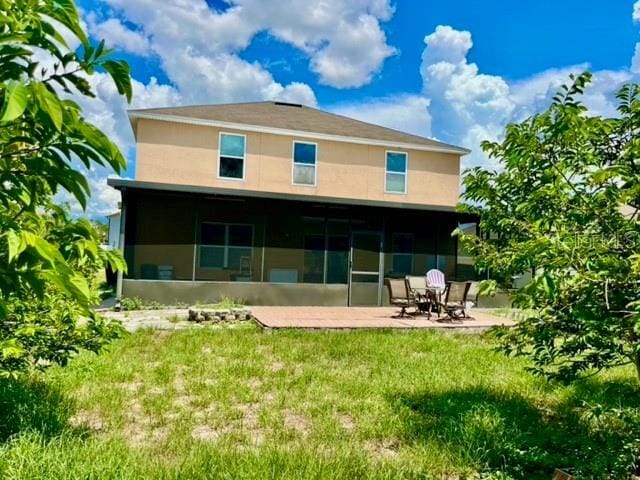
x,y
366,317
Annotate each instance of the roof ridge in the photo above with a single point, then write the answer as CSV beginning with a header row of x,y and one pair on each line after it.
x,y
199,105
341,124
394,130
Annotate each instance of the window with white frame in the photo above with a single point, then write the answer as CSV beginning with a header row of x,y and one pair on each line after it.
x,y
304,163
396,173
231,158
226,246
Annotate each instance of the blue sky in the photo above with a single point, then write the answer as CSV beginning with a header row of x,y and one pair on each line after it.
x,y
457,71
513,39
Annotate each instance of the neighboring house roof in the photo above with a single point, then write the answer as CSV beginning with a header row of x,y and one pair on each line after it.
x,y
287,119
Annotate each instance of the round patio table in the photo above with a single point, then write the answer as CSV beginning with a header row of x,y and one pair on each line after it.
x,y
427,301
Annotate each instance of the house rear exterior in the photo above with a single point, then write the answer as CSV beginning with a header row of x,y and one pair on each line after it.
x,y
278,203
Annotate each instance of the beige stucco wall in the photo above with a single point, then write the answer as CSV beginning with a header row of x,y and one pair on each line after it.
x,y
188,154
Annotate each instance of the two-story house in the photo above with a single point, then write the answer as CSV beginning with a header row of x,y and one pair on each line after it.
x,y
278,203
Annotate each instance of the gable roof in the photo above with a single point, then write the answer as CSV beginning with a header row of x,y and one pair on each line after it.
x,y
289,118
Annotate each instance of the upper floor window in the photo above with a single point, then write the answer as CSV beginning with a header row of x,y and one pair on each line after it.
x,y
304,163
232,153
396,173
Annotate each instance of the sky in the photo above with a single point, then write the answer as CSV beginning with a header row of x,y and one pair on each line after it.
x,y
458,71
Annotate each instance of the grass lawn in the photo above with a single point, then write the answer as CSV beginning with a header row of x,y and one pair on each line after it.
x,y
240,403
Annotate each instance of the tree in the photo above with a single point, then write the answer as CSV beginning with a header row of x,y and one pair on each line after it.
x,y
46,257
564,204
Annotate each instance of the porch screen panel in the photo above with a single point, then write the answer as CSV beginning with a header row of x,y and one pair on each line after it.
x,y
366,255
402,254
239,250
213,245
159,236
337,259
227,248
314,258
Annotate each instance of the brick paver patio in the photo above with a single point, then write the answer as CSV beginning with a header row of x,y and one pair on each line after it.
x,y
364,317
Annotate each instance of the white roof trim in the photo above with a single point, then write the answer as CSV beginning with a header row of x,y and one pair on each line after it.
x,y
296,133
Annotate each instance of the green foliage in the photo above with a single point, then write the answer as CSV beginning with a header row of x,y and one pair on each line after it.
x,y
137,303
564,205
47,261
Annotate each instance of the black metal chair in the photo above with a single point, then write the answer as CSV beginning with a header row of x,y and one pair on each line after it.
x,y
455,300
399,294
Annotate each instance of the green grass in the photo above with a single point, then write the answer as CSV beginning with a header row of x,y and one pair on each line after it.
x,y
337,405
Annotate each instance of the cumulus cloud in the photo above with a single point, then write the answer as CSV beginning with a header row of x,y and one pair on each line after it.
x,y
407,113
463,106
343,39
636,11
468,106
118,34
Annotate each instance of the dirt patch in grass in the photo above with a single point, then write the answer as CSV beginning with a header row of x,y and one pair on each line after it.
x,y
131,387
249,423
170,416
346,422
178,380
184,401
276,366
159,434
156,391
254,383
297,422
205,433
203,413
383,449
88,419
269,398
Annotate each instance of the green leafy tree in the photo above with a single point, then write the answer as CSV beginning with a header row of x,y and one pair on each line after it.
x,y
564,204
47,259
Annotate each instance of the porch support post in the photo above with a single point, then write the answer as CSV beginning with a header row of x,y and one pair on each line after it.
x,y
264,246
195,238
439,218
123,222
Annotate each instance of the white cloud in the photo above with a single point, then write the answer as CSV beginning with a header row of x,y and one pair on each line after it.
x,y
119,36
636,11
342,38
460,95
407,113
464,106
468,106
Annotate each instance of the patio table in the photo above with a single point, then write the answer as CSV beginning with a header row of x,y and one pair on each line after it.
x,y
426,299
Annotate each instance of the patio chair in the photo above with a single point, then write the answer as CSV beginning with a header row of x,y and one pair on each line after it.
x,y
455,300
417,284
474,294
435,279
399,294
436,282
422,296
